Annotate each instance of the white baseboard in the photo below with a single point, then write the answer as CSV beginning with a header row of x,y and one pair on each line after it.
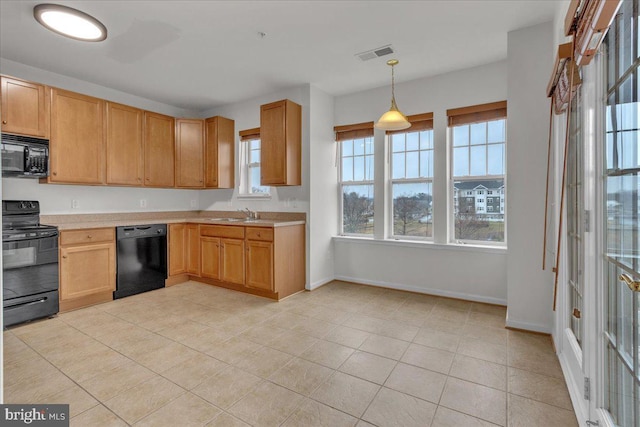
x,y
321,282
534,327
428,291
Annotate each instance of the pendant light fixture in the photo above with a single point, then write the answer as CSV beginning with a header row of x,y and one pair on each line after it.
x,y
70,22
393,119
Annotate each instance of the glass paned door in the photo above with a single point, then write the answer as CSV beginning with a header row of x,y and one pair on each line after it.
x,y
622,220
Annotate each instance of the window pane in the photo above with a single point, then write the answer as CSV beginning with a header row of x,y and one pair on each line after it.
x,y
413,162
461,161
460,135
426,139
398,166
357,209
368,145
475,219
358,168
347,148
347,169
496,131
412,207
358,147
368,174
496,159
478,133
255,181
478,160
254,156
426,163
255,144
397,142
412,141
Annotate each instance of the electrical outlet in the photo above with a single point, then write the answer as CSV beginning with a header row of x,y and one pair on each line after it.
x,y
194,203
75,204
143,203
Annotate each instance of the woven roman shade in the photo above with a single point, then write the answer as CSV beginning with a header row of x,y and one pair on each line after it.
x,y
355,131
248,134
419,122
477,113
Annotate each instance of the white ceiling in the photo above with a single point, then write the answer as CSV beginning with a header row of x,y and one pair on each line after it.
x,y
201,54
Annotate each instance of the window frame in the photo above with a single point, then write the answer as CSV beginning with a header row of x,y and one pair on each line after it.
x,y
245,190
342,184
453,204
390,212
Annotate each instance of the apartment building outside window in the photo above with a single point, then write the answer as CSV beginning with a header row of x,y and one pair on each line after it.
x,y
478,159
356,168
411,155
250,164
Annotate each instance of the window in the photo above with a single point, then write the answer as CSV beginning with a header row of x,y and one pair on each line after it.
x,y
478,144
412,178
250,164
355,144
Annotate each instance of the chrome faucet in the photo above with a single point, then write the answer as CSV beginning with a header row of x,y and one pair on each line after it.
x,y
249,213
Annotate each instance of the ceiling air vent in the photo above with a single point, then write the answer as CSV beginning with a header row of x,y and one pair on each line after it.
x,y
375,53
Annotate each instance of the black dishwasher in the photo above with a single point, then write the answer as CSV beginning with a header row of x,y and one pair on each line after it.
x,y
142,259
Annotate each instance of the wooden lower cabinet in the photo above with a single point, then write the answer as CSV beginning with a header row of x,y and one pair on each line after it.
x,y
87,267
210,257
266,261
232,261
260,265
177,249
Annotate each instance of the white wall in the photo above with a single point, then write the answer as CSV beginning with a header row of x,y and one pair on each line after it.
x,y
323,204
57,199
460,272
529,288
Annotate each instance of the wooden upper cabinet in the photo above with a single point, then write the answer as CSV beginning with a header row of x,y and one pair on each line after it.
x,y
124,145
280,143
189,153
159,157
219,168
77,153
25,108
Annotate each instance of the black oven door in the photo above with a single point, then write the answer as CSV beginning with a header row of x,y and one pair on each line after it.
x,y
29,266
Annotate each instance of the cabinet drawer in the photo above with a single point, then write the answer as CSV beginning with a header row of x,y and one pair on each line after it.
x,y
90,235
260,233
231,232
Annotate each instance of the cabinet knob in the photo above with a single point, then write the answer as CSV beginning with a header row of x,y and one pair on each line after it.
x,y
55,173
64,256
89,236
4,122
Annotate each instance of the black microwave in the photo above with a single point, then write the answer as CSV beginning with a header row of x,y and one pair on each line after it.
x,y
24,156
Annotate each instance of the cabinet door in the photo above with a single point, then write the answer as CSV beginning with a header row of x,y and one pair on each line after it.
x,y
77,138
219,153
232,260
281,143
177,249
189,153
159,156
193,249
124,145
260,265
272,144
25,108
210,257
87,269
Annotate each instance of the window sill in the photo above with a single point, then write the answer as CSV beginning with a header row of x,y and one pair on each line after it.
x,y
422,244
254,196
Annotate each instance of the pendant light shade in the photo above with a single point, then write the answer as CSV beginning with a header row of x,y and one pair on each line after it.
x,y
393,119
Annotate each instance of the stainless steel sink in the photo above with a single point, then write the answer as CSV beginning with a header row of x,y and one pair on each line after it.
x,y
227,219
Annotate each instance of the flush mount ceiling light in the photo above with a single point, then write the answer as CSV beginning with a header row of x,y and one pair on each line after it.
x,y
70,22
393,119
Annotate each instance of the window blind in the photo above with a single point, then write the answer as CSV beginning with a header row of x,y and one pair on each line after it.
x,y
247,134
477,113
419,122
354,131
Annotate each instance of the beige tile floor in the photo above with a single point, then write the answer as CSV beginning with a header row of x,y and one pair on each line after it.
x,y
343,355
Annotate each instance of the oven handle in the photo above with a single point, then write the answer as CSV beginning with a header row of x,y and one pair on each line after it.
x,y
23,304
